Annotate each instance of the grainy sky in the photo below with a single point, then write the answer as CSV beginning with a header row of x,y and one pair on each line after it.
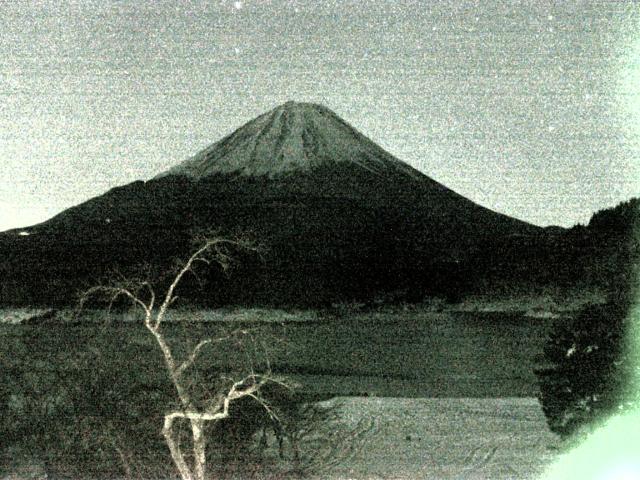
x,y
529,108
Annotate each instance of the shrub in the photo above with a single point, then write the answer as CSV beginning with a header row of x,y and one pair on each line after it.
x,y
69,400
587,368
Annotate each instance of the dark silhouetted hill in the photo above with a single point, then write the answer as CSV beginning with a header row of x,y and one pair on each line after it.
x,y
602,256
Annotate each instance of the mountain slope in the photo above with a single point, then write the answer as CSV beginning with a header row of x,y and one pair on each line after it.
x,y
293,137
341,218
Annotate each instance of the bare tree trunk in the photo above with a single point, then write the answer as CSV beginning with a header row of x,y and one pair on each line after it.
x,y
174,448
171,365
199,449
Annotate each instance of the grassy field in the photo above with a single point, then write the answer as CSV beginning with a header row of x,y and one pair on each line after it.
x,y
442,438
416,354
396,438
397,353
454,389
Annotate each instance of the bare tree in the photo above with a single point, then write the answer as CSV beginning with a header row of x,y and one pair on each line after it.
x,y
142,294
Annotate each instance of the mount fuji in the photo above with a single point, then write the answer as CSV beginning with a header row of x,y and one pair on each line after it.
x,y
341,219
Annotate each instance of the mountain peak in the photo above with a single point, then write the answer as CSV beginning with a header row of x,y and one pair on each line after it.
x,y
293,137
293,105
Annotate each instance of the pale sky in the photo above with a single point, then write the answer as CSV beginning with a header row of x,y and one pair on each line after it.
x,y
529,108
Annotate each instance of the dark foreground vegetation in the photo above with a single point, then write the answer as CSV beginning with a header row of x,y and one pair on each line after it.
x,y
80,393
88,401
593,360
592,368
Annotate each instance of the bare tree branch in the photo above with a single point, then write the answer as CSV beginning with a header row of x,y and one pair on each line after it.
x,y
142,294
192,358
113,293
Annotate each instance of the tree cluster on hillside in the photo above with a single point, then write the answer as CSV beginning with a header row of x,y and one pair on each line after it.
x,y
600,257
623,218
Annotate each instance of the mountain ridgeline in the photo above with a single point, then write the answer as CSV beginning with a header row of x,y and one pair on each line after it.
x,y
340,218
